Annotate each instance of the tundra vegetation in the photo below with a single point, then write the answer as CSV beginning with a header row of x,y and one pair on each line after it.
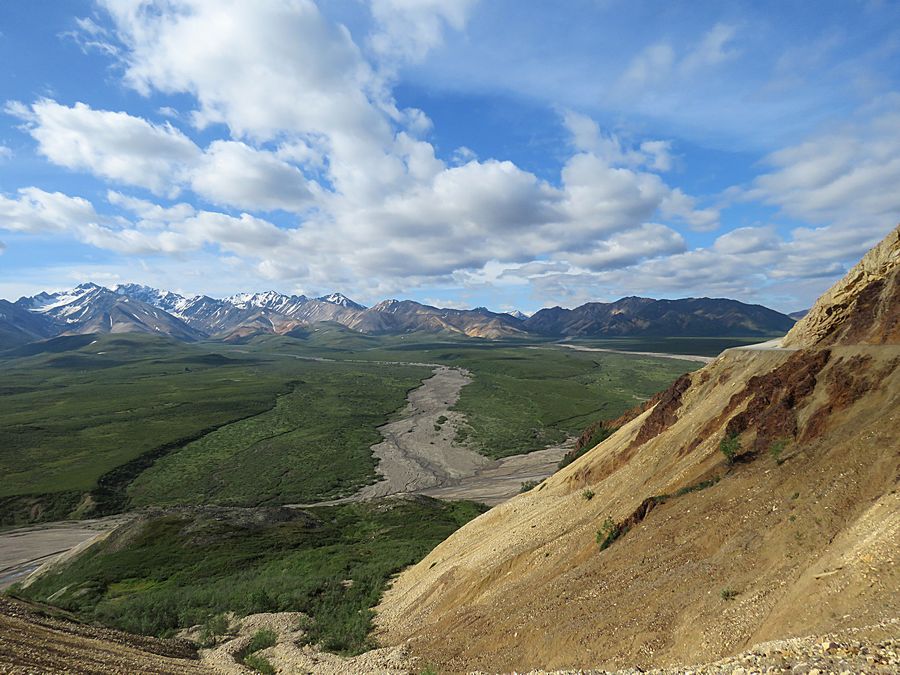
x,y
91,425
186,568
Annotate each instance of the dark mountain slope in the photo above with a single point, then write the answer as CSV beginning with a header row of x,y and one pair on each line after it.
x,y
632,316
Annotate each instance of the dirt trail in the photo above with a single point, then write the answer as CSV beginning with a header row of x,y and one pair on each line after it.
x,y
661,355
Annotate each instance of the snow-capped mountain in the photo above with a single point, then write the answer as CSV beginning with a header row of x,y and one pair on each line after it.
x,y
342,300
277,302
134,307
66,306
171,302
516,314
90,308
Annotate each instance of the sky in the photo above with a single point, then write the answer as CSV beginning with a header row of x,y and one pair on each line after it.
x,y
513,154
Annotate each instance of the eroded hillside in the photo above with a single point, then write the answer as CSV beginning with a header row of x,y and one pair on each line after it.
x,y
655,549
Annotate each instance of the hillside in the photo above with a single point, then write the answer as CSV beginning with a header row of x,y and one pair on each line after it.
x,y
634,316
19,326
654,549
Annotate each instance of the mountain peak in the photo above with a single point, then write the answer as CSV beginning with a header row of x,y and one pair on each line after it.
x,y
340,299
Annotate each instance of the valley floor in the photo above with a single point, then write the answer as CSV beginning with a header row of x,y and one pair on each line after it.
x,y
418,455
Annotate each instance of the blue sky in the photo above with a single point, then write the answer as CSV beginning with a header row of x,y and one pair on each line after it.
x,y
511,154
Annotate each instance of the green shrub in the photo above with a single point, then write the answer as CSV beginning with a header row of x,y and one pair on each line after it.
x,y
213,627
262,639
441,419
730,446
608,533
260,664
587,495
777,448
201,566
528,485
601,434
728,594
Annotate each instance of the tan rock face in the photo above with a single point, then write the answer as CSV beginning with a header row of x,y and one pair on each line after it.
x,y
797,536
861,308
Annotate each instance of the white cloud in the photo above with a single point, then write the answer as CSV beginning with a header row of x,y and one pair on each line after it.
x,y
5,152
651,65
748,240
113,145
406,30
587,137
244,236
133,151
91,37
848,176
712,50
39,212
232,173
150,214
845,181
650,240
661,64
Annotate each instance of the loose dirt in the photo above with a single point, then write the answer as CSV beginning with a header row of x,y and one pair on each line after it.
x,y
502,479
32,641
419,455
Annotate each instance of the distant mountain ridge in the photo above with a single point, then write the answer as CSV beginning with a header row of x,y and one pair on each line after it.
x,y
633,316
90,308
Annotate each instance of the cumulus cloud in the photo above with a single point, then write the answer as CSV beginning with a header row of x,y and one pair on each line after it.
x,y
330,144
40,212
113,145
748,240
650,240
233,173
132,151
588,137
844,182
847,176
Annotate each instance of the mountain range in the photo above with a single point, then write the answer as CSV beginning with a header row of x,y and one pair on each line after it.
x,y
90,308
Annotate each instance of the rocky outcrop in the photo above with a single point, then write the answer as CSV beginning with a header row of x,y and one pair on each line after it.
x,y
861,308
